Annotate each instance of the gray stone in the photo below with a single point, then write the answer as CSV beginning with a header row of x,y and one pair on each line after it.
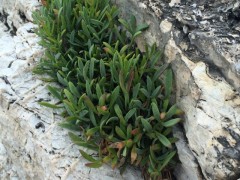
x,y
32,145
201,41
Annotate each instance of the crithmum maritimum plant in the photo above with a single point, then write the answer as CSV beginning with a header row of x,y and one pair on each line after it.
x,y
110,91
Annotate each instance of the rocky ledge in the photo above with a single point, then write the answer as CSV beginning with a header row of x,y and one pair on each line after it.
x,y
201,41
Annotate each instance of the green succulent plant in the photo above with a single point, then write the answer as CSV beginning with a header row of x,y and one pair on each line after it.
x,y
110,92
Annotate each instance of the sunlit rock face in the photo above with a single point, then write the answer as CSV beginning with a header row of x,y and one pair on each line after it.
x,y
32,145
201,40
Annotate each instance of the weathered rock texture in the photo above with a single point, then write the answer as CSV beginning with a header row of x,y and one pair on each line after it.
x,y
201,40
32,146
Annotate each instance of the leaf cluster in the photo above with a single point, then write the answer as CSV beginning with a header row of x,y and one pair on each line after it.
x,y
110,91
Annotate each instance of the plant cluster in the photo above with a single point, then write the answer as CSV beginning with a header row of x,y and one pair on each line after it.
x,y
110,91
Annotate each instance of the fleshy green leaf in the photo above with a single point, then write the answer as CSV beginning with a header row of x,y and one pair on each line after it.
x,y
167,160
69,107
130,114
171,122
168,82
136,90
129,131
69,126
87,156
80,142
164,140
55,92
120,133
114,96
147,126
49,105
70,96
119,114
171,112
156,92
91,131
94,164
155,111
61,80
102,69
92,118
98,91
142,27
73,89
159,72
89,104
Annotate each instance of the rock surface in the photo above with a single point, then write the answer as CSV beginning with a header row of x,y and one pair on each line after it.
x,y
201,40
32,145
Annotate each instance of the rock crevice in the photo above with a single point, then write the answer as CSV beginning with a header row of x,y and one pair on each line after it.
x,y
201,41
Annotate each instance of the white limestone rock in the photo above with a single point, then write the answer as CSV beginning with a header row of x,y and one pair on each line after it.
x,y
32,145
203,49
212,115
